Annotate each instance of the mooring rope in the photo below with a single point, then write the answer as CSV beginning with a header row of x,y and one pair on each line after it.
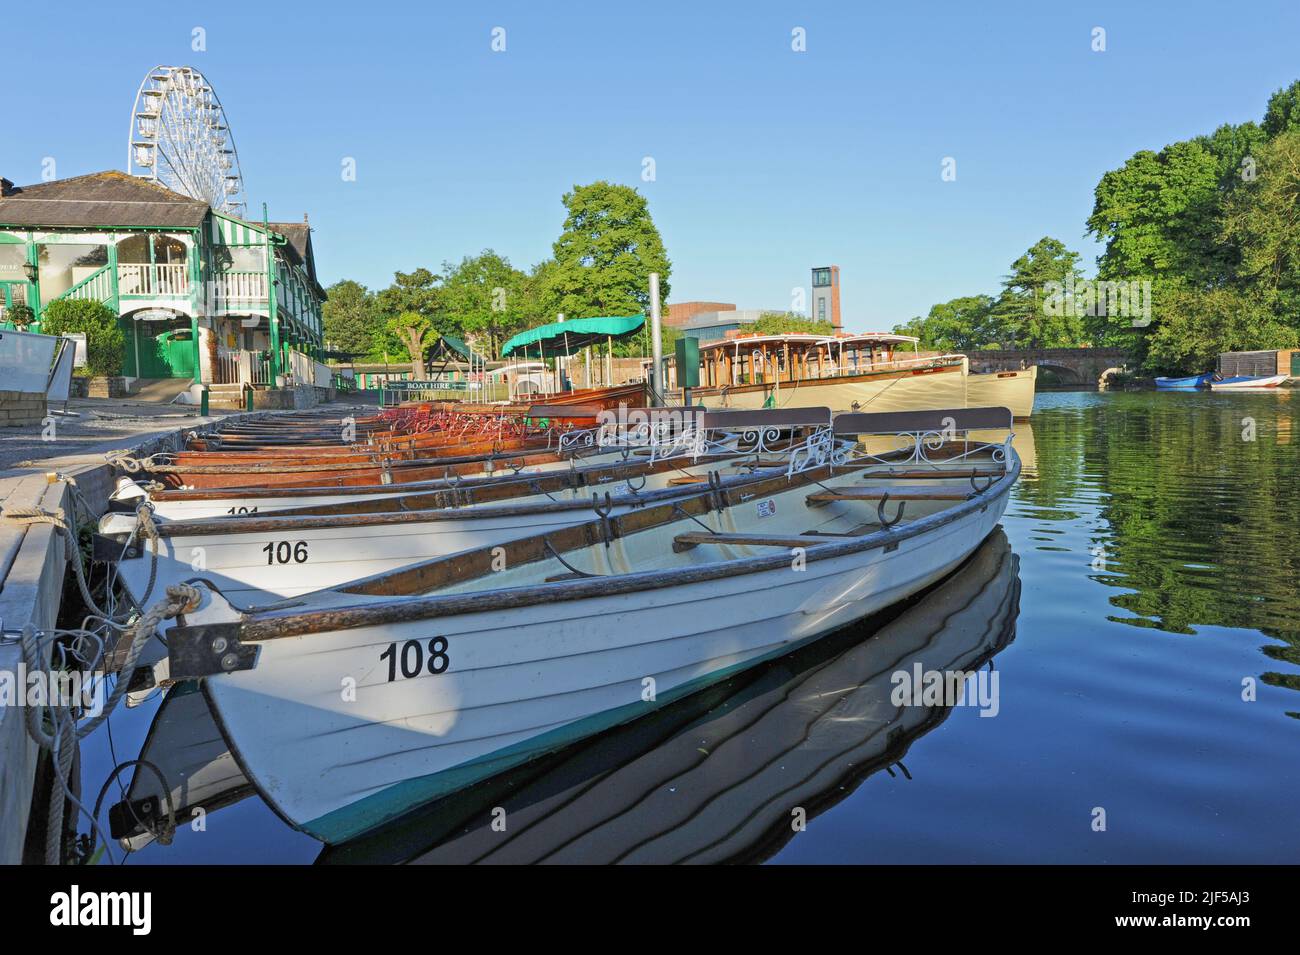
x,y
63,734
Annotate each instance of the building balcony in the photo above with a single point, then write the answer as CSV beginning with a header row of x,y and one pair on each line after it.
x,y
153,281
230,288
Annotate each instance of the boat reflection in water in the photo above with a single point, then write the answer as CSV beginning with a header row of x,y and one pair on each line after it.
x,y
715,778
186,749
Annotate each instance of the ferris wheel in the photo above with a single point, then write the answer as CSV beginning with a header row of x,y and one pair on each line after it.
x,y
180,139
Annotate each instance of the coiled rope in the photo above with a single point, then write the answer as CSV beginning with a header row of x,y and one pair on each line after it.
x,y
53,725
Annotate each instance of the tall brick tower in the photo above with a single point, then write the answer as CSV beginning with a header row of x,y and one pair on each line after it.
x,y
826,296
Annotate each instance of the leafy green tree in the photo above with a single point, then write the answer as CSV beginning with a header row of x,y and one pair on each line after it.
x,y
605,254
484,295
418,292
1283,111
790,323
411,292
960,325
1231,146
105,343
639,344
1261,221
416,333
1156,215
1020,317
351,318
1197,325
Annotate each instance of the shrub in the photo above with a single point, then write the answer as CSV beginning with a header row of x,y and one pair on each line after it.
x,y
105,343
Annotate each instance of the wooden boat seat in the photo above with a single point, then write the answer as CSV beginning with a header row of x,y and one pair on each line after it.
x,y
688,479
894,494
694,538
932,474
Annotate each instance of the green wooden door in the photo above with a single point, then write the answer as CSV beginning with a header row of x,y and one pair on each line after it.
x,y
165,354
177,351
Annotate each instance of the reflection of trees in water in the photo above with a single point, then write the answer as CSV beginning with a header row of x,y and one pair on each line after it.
x,y
1055,445
1200,517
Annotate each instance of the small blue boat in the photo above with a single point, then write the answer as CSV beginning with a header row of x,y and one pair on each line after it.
x,y
1184,384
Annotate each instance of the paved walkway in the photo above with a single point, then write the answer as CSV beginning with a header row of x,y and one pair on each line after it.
x,y
99,425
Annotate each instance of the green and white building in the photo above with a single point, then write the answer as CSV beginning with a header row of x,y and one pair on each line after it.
x,y
200,295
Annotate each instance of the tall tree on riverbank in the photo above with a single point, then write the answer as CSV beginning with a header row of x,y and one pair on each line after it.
x,y
1021,318
605,254
1212,223
1261,222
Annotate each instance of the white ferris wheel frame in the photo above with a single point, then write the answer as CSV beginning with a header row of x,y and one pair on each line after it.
x,y
180,138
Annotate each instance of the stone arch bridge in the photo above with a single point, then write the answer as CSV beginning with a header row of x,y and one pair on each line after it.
x,y
1071,365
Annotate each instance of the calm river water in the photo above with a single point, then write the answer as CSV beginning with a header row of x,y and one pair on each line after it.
x,y
1137,632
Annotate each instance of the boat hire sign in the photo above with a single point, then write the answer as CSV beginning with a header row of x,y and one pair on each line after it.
x,y
422,385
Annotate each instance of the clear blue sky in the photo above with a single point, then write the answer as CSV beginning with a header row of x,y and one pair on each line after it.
x,y
460,149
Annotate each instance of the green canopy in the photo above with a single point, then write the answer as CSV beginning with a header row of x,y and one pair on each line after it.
x,y
454,344
565,338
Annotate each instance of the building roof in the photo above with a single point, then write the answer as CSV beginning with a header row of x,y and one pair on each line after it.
x,y
680,312
299,236
870,338
743,341
100,199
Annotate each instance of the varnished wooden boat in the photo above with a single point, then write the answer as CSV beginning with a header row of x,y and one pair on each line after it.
x,y
183,503
465,458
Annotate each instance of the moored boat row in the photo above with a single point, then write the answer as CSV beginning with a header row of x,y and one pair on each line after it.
x,y
1218,383
369,644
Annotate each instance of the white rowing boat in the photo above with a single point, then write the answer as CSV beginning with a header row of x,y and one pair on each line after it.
x,y
713,779
362,702
1247,383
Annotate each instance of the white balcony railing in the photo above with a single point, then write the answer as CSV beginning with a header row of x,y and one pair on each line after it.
x,y
240,286
151,280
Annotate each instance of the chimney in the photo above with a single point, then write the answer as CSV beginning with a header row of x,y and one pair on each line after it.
x,y
6,187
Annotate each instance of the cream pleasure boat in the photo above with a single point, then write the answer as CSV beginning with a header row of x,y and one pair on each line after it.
x,y
868,373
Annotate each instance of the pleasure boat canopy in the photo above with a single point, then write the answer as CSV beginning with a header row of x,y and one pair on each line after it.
x,y
795,357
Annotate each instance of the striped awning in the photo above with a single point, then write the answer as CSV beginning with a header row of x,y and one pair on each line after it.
x,y
227,230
